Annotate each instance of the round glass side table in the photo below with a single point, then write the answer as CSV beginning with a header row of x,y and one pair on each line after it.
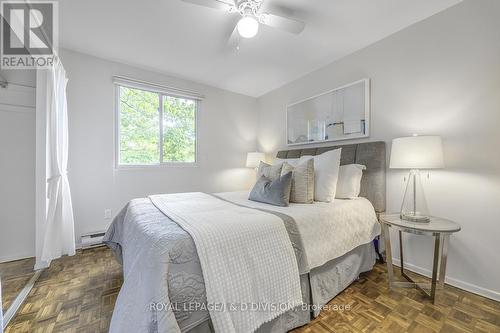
x,y
440,229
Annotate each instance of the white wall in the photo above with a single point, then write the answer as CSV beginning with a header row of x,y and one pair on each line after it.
x,y
227,131
17,166
440,76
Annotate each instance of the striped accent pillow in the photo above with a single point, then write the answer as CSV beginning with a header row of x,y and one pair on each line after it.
x,y
272,172
302,181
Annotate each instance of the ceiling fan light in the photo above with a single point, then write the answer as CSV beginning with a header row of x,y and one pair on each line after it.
x,y
248,27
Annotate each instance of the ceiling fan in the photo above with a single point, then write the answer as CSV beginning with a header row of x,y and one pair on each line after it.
x,y
251,16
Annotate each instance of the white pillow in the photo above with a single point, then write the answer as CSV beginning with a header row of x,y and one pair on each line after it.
x,y
349,182
326,172
302,190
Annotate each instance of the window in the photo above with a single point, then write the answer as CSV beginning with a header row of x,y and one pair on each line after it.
x,y
155,128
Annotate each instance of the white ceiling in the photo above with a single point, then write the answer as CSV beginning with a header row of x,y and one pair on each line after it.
x,y
188,41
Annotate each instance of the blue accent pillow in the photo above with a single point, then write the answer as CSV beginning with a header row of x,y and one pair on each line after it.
x,y
273,192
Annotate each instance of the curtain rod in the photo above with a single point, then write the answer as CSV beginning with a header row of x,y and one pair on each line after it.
x,y
5,84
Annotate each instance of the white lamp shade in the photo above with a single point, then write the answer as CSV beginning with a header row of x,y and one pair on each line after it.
x,y
417,152
253,159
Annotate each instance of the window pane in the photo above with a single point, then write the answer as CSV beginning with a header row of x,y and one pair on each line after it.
x,y
179,130
139,127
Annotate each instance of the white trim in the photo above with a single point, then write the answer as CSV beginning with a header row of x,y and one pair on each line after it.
x,y
160,125
116,127
17,256
367,114
158,88
40,164
124,167
21,297
488,293
196,132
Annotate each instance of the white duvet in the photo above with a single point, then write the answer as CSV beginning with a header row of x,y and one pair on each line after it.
x,y
328,229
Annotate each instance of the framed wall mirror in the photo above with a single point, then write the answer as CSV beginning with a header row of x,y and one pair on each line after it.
x,y
339,114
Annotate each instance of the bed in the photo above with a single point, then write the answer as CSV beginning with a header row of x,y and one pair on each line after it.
x,y
164,288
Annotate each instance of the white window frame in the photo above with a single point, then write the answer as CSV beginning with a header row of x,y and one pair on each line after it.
x,y
162,91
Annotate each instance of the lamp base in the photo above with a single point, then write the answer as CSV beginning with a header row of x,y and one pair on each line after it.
x,y
415,218
414,206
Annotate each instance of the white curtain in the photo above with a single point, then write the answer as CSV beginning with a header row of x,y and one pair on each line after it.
x,y
58,235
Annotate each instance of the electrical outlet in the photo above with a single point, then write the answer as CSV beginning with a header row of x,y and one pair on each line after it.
x,y
107,214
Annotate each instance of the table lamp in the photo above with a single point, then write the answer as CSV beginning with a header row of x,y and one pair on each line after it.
x,y
416,153
254,158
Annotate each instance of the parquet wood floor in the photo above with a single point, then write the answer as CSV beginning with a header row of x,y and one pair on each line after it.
x,y
77,294
375,308
14,276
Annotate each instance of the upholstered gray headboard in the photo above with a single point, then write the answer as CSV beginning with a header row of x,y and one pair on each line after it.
x,y
370,154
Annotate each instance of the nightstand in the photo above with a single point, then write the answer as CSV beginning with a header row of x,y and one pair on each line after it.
x,y
440,229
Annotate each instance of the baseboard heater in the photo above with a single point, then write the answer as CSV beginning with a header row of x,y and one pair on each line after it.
x,y
92,239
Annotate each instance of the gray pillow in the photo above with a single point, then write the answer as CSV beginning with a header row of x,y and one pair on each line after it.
x,y
272,172
273,192
302,181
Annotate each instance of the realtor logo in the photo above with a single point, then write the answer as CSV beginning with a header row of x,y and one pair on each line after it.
x,y
29,34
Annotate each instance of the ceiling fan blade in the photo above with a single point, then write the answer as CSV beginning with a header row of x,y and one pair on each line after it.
x,y
216,4
233,41
283,23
